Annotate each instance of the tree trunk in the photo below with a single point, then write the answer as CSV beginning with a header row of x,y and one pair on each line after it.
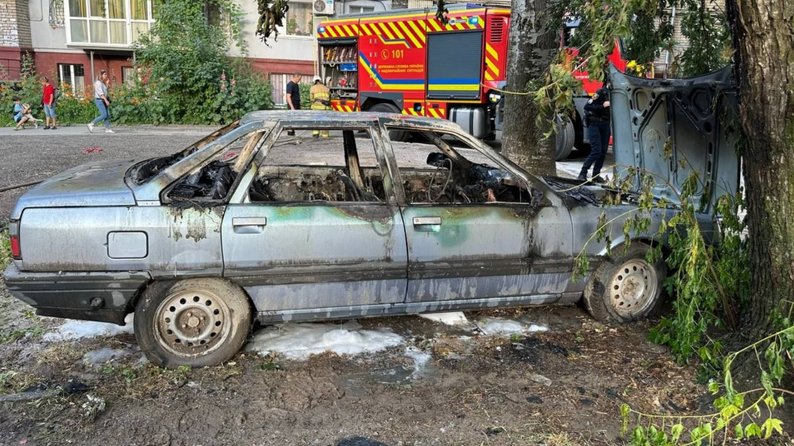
x,y
531,49
765,72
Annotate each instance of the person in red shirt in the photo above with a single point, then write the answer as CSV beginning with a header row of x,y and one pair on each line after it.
x,y
48,100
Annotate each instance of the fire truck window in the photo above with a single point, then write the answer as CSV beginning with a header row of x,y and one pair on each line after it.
x,y
335,165
437,168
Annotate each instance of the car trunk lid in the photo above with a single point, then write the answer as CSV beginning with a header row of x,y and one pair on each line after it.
x,y
94,184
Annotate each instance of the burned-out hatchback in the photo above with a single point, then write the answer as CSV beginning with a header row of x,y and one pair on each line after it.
x,y
337,221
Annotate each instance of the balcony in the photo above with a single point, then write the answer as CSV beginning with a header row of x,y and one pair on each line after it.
x,y
114,24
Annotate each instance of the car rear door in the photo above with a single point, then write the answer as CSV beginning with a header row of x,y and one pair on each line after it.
x,y
515,246
306,232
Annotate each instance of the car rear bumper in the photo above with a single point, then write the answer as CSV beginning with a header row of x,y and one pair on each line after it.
x,y
95,296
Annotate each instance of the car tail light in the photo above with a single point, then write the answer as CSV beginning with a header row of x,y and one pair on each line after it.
x,y
15,253
13,236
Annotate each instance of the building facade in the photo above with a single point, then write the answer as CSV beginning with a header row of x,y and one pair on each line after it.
x,y
70,41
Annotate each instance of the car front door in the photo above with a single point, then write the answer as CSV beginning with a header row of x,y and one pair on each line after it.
x,y
473,230
314,226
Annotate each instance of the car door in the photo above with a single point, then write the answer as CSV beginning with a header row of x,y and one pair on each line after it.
x,y
314,226
466,242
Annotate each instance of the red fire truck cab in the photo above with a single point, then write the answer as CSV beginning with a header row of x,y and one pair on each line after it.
x,y
409,62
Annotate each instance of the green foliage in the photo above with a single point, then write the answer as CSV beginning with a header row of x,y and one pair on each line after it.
x,y
271,16
645,29
68,108
184,75
28,89
32,331
710,281
71,109
5,249
736,414
306,102
709,39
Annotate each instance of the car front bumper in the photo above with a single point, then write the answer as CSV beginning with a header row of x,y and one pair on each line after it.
x,y
95,296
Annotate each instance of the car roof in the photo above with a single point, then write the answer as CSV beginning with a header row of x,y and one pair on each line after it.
x,y
320,117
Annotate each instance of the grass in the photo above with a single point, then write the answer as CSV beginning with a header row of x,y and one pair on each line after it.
x,y
5,249
33,331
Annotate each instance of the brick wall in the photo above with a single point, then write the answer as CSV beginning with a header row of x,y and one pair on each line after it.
x,y
23,24
9,28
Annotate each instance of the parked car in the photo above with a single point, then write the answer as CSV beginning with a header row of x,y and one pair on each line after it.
x,y
250,224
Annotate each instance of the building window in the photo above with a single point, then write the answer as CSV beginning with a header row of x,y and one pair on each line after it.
x,y
279,82
300,19
128,76
109,23
360,9
71,78
56,14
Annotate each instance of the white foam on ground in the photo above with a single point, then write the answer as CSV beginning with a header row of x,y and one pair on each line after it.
x,y
497,326
299,341
73,329
451,318
420,358
104,355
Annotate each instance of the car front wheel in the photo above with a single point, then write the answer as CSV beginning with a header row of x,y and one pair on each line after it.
x,y
625,287
192,322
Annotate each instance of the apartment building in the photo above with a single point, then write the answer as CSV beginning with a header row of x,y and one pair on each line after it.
x,y
71,40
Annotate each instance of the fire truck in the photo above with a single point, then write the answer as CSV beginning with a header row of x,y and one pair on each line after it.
x,y
407,61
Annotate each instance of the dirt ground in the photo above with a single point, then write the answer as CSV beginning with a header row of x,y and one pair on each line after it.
x,y
563,386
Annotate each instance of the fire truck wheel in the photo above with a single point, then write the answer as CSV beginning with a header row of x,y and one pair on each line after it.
x,y
394,135
564,137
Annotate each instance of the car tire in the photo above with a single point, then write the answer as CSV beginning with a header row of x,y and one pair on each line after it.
x,y
563,137
192,322
384,107
625,287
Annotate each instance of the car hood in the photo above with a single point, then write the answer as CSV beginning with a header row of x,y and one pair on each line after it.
x,y
673,128
93,184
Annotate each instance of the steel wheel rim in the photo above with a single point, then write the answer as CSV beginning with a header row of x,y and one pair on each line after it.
x,y
192,323
633,288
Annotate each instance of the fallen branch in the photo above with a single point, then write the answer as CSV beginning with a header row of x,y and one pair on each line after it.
x,y
19,186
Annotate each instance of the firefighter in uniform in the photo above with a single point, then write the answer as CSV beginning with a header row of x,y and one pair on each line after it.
x,y
320,97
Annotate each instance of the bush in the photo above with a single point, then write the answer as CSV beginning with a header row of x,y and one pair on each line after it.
x,y
195,83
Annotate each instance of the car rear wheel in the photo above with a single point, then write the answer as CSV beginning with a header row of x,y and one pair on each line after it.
x,y
193,322
626,287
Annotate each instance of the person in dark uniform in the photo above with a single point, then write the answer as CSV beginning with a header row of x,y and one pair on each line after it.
x,y
294,96
597,114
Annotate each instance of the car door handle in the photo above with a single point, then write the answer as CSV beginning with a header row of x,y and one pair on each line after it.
x,y
423,221
249,221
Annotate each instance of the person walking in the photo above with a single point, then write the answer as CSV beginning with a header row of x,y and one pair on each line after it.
x,y
102,101
320,96
597,113
48,100
294,96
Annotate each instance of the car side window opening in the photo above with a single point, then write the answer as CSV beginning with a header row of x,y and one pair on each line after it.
x,y
215,178
441,168
339,168
149,168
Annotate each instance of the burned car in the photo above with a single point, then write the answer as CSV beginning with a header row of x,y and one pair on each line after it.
x,y
250,224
